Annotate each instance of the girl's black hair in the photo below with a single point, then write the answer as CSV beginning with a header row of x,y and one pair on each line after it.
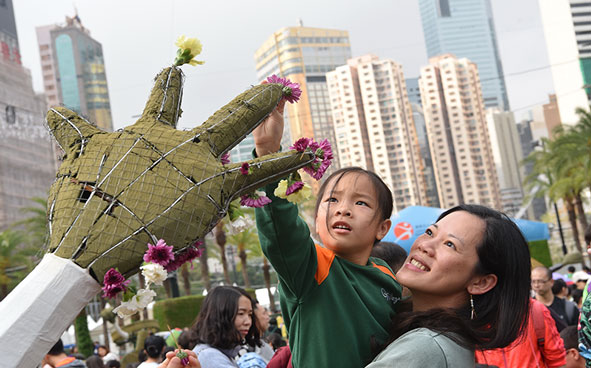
x,y
502,312
153,345
383,193
215,322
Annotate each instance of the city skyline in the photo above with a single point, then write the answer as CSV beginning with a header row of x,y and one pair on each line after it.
x,y
134,57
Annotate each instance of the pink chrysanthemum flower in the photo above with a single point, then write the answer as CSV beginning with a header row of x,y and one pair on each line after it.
x,y
254,200
225,158
160,253
301,144
114,283
291,91
296,186
244,169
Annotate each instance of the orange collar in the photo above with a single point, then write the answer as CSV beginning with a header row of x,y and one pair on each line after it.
x,y
65,361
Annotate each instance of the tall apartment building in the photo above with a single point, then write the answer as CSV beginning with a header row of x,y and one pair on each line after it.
x,y
507,155
74,71
563,56
465,28
414,97
305,55
458,135
374,127
581,14
27,165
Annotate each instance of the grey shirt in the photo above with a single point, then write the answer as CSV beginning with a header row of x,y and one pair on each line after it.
x,y
210,357
421,348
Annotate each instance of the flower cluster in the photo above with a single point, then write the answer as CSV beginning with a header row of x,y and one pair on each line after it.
x,y
188,49
245,168
256,199
114,283
291,91
225,158
293,189
322,152
159,260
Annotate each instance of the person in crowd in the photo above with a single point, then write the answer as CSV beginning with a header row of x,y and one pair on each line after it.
x,y
559,289
333,296
577,296
56,357
570,271
275,340
104,352
571,345
564,312
153,347
94,361
113,364
539,345
184,340
470,283
393,254
225,322
580,279
262,317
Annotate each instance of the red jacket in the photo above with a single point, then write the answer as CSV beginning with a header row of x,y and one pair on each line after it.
x,y
281,358
525,351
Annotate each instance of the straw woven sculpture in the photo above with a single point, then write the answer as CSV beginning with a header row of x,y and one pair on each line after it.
x,y
116,192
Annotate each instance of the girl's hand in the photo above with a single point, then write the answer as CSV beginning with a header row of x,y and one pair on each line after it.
x,y
267,136
172,361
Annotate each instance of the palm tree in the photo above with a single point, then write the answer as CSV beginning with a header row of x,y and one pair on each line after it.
x,y
220,238
36,223
205,268
243,241
13,258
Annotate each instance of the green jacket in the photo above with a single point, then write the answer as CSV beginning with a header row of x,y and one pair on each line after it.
x,y
332,307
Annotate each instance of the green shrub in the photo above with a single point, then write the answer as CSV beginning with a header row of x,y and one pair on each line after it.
x,y
177,312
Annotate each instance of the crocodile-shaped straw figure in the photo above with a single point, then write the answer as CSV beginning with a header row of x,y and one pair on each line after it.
x,y
116,192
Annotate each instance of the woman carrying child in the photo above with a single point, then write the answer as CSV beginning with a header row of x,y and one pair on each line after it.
x,y
469,275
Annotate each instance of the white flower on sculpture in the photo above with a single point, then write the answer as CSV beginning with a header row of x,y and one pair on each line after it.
x,y
239,225
154,273
144,297
128,308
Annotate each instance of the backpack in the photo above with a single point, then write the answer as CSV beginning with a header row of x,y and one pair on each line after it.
x,y
570,308
537,316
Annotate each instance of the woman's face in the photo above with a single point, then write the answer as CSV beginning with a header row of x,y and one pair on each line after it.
x,y
441,262
243,319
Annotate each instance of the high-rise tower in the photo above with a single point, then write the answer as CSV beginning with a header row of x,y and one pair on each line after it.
x,y
458,134
27,164
74,71
465,28
305,55
374,125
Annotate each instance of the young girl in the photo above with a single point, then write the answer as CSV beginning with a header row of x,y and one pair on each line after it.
x,y
225,321
153,347
336,300
469,275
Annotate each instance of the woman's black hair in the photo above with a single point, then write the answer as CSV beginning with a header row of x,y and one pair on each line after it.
x,y
215,322
383,193
153,346
94,361
502,312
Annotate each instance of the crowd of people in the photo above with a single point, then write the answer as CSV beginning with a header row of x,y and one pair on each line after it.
x,y
464,295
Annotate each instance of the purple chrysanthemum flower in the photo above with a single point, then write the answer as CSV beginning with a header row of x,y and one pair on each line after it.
x,y
160,253
188,255
225,158
291,91
114,283
296,186
254,200
301,144
244,168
